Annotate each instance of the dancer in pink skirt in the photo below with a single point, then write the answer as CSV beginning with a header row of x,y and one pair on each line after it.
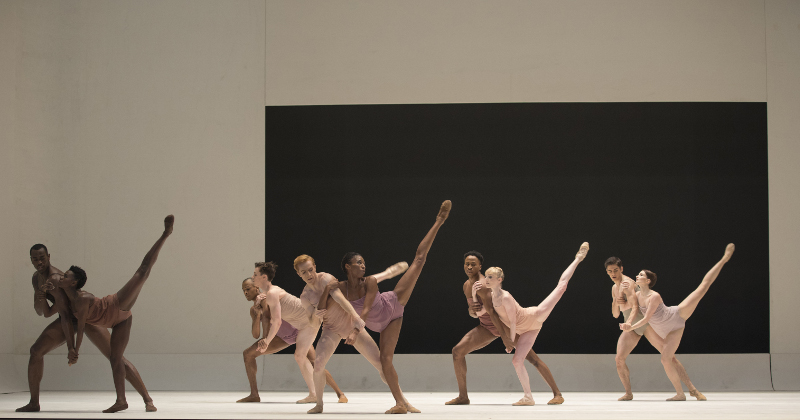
x,y
668,322
526,322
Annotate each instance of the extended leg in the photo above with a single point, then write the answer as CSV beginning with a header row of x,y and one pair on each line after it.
x,y
658,343
524,345
547,305
328,341
51,338
687,307
102,340
305,338
312,355
130,291
406,283
625,345
388,340
476,339
251,366
120,335
539,364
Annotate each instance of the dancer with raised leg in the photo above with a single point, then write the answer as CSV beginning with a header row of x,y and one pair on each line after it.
x,y
669,322
112,311
287,335
57,332
629,339
381,312
526,322
488,330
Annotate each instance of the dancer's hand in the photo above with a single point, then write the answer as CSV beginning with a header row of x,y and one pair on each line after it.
x,y
476,307
48,285
358,324
625,285
625,326
476,286
509,345
621,300
262,345
72,357
351,338
256,311
320,313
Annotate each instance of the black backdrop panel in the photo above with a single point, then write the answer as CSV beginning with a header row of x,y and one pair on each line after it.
x,y
664,186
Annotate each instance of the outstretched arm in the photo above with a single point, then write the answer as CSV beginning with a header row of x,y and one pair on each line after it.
x,y
81,312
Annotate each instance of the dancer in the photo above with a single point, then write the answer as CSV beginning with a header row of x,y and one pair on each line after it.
x,y
381,313
629,339
286,336
526,322
57,332
488,330
112,311
669,322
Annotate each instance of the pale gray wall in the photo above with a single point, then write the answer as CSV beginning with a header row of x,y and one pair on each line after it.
x,y
117,113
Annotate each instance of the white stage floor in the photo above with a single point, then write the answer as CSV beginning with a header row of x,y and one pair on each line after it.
x,y
369,405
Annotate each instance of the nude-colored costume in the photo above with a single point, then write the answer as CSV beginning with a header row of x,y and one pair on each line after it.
x,y
105,312
485,319
665,319
385,309
287,331
626,313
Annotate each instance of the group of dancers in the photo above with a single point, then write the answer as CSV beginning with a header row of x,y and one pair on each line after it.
x,y
345,309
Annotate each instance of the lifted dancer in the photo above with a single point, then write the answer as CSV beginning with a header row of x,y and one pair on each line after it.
x,y
287,335
112,311
629,339
381,312
669,322
56,333
527,322
488,330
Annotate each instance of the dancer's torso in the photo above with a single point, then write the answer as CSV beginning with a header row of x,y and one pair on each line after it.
x,y
526,317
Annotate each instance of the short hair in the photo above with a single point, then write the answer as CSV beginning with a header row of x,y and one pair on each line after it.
x,y
267,268
347,258
301,259
652,276
249,278
475,254
37,247
613,261
80,276
496,270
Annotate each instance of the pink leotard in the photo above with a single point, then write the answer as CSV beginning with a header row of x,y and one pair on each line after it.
x,y
105,312
528,319
385,309
665,319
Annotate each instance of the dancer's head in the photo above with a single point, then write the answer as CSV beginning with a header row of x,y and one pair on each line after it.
x,y
353,265
306,268
646,278
473,262
264,273
614,268
494,277
40,258
249,288
74,278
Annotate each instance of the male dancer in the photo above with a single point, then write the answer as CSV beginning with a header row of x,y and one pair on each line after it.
x,y
488,330
56,333
629,339
261,316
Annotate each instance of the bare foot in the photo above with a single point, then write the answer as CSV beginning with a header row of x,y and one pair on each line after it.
x,y
342,399
398,409
149,407
584,249
316,410
444,210
680,397
524,401
412,409
169,221
458,401
311,399
558,399
29,408
250,398
626,397
728,252
699,395
118,406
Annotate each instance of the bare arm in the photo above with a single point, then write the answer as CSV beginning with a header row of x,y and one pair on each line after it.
x,y
40,303
470,300
274,320
614,305
486,297
255,318
81,306
372,290
511,312
652,304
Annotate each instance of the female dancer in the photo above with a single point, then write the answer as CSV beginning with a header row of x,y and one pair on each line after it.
x,y
525,322
668,322
112,311
383,312
286,335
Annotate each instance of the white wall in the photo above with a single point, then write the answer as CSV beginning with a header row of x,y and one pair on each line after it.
x,y
114,114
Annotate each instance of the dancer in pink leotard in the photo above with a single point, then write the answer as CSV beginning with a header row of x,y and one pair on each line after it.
x,y
526,322
383,312
669,322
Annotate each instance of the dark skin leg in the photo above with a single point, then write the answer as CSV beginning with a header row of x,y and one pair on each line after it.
x,y
251,367
543,370
128,294
476,339
51,338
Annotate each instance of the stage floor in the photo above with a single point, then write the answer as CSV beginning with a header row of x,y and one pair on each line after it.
x,y
369,405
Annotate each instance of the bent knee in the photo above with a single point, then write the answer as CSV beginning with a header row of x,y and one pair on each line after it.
x,y
459,352
420,258
386,360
